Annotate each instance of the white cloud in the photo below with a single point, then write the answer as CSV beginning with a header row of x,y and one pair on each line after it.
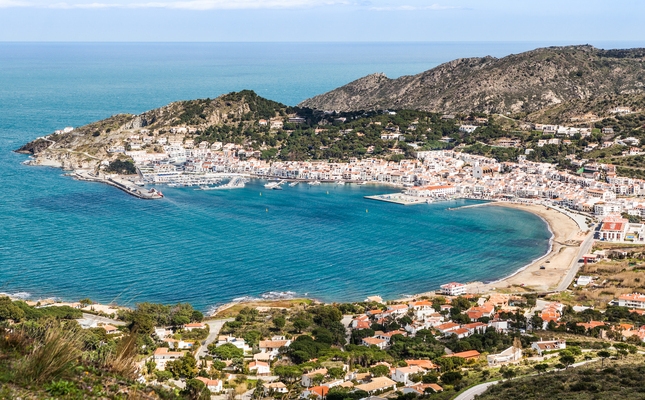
x,y
414,8
11,3
183,5
236,4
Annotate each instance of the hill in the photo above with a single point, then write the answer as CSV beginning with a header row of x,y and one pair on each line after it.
x,y
519,83
617,379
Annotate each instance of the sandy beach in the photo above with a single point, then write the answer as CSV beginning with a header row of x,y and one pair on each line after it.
x,y
566,241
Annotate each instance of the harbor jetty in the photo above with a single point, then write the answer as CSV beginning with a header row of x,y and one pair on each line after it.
x,y
113,180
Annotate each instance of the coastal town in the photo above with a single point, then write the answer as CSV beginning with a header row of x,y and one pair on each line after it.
x,y
431,346
577,306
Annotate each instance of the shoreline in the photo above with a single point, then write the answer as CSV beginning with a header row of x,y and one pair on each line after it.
x,y
564,246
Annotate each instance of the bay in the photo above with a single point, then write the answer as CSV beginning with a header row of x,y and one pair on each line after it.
x,y
69,239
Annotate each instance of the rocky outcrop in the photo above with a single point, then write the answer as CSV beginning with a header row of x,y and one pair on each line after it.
x,y
35,147
525,82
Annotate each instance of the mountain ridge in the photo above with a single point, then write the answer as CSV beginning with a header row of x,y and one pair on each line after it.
x,y
519,83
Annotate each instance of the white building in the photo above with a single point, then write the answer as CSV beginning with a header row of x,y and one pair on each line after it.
x,y
402,374
453,289
512,354
633,300
548,345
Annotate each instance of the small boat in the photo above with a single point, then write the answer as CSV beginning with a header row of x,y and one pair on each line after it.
x,y
292,184
272,185
314,183
340,182
360,183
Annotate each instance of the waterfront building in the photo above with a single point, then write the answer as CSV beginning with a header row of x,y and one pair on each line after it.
x,y
453,289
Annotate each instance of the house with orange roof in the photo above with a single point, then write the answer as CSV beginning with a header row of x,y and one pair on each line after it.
x,y
613,228
272,347
421,389
466,355
194,325
425,364
274,387
214,385
360,319
317,392
110,330
372,341
397,309
632,300
591,324
260,368
447,327
460,332
548,345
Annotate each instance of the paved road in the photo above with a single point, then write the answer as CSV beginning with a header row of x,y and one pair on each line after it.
x,y
215,326
575,265
102,320
475,391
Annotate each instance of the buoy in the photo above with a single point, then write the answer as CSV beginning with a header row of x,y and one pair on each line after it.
x,y
328,192
266,210
366,210
260,193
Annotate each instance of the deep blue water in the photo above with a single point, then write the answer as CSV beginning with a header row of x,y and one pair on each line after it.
x,y
60,237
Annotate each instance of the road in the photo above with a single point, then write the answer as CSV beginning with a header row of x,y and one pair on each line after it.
x,y
215,326
479,389
475,391
585,248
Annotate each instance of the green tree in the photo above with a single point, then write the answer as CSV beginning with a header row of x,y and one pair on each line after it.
x,y
227,351
567,358
541,368
451,377
9,310
380,370
196,390
279,322
183,367
300,325
603,354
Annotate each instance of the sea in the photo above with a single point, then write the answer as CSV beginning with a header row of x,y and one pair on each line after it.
x,y
65,239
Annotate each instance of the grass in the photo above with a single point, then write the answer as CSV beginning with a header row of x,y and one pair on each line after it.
x,y
611,279
54,352
235,309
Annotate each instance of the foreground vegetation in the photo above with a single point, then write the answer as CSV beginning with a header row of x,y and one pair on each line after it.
x,y
621,379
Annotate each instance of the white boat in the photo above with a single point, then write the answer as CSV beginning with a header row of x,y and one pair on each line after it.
x,y
314,183
340,182
360,183
292,184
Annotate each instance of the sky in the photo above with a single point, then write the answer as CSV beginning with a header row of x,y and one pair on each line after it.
x,y
559,21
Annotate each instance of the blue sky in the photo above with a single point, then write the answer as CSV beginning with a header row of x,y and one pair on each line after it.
x,y
562,21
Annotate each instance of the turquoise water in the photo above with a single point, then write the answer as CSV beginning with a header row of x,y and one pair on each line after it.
x,y
60,237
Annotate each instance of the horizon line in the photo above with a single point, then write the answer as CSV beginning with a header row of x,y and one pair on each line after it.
x,y
572,42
